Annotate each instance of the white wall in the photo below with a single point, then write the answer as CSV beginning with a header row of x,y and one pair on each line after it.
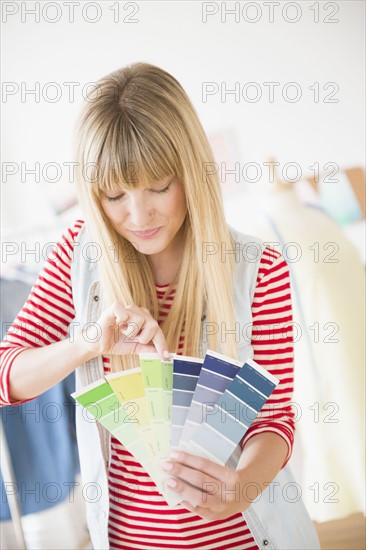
x,y
174,36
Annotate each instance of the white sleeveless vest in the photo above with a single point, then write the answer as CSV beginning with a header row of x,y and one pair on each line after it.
x,y
276,521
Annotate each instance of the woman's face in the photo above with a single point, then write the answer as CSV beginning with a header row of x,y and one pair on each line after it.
x,y
149,217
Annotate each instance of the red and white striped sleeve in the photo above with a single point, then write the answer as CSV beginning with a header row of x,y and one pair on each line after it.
x,y
47,312
272,341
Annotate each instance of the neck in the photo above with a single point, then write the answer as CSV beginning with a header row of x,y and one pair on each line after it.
x,y
165,265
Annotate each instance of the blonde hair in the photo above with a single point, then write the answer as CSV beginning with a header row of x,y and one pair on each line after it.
x,y
140,126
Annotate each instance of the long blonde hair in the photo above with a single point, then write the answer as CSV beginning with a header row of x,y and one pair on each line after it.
x,y
140,126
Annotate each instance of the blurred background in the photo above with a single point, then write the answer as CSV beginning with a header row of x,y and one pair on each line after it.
x,y
280,90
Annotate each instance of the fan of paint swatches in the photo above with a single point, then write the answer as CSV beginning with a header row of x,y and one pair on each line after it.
x,y
215,376
226,423
202,406
186,371
158,383
128,385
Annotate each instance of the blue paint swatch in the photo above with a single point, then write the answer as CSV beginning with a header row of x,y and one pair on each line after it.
x,y
257,379
247,394
226,423
220,364
186,371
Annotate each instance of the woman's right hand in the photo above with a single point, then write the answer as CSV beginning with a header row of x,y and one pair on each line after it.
x,y
123,330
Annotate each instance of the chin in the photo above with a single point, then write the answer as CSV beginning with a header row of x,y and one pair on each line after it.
x,y
148,248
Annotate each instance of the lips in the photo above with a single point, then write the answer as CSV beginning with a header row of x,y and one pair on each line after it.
x,y
146,234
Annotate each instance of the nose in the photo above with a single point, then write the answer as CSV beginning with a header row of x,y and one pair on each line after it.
x,y
140,212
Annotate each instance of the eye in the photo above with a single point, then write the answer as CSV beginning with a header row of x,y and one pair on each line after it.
x,y
114,199
161,191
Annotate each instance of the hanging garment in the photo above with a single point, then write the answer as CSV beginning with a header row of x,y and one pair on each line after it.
x,y
328,282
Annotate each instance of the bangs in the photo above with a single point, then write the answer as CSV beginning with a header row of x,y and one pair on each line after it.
x,y
131,156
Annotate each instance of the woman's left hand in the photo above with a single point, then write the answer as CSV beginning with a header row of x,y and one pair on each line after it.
x,y
209,490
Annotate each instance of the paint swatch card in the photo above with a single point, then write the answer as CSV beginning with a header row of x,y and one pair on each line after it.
x,y
103,404
158,379
186,371
167,367
158,382
128,385
229,419
216,374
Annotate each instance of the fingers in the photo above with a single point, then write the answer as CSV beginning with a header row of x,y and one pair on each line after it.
x,y
192,490
199,463
160,344
140,323
145,329
208,489
142,348
131,321
141,332
204,513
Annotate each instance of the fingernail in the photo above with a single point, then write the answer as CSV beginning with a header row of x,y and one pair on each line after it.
x,y
168,466
174,455
171,483
166,354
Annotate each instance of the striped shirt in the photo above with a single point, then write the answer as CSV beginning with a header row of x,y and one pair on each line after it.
x,y
139,516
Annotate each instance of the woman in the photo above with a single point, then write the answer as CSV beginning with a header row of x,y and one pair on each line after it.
x,y
155,267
